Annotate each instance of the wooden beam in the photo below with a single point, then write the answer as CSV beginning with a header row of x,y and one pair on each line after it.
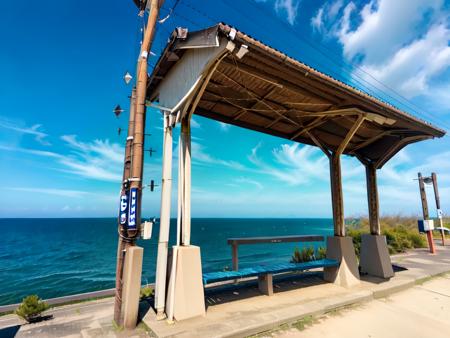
x,y
303,89
244,111
258,97
350,134
317,122
372,199
397,146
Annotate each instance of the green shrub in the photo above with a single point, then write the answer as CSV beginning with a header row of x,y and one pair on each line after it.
x,y
356,237
321,252
146,292
306,254
31,308
400,239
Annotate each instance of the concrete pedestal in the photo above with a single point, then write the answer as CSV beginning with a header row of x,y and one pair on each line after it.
x,y
188,297
375,259
342,250
132,272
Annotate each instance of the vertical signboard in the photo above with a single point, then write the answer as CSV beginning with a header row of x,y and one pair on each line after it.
x,y
132,208
123,208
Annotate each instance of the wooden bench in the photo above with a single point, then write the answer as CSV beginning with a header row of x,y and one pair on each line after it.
x,y
265,272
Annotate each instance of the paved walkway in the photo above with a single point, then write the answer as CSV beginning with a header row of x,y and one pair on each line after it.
x,y
242,312
422,311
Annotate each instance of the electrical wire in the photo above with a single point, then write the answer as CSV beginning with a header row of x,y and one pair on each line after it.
x,y
343,66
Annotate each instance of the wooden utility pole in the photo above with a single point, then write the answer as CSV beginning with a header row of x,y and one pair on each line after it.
x,y
438,206
426,215
133,164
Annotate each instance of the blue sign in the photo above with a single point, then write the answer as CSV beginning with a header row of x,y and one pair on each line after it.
x,y
123,209
132,209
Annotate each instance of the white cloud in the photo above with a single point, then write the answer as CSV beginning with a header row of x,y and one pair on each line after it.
x,y
293,164
34,130
325,14
99,160
50,191
224,126
200,156
286,7
411,68
248,181
195,124
402,43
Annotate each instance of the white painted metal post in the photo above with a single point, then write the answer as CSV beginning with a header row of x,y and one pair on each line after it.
x,y
186,198
164,228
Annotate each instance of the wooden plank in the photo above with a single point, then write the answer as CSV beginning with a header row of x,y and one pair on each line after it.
x,y
275,239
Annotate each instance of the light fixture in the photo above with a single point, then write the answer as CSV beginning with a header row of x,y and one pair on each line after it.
x,y
118,110
127,77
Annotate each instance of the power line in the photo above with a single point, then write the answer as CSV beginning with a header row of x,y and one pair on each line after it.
x,y
344,67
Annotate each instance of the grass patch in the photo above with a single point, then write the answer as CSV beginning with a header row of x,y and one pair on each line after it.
x,y
116,327
401,233
301,324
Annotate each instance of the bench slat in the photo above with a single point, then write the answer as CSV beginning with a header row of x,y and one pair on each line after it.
x,y
220,276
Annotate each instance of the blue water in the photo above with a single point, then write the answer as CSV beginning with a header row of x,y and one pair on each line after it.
x,y
59,257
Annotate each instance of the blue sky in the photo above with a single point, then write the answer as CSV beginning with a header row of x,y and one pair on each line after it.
x,y
62,69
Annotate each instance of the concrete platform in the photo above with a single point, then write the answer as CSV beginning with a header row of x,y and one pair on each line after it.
x,y
239,311
243,312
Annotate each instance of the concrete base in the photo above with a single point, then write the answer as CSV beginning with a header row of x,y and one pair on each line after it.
x,y
265,284
342,250
132,272
189,298
375,259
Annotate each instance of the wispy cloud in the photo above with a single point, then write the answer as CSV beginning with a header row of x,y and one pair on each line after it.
x,y
50,191
393,41
289,8
99,159
200,156
224,126
35,130
293,164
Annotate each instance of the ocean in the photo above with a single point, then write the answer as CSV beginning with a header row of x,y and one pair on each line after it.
x,y
59,257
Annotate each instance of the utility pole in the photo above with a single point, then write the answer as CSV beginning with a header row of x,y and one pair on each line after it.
x,y
426,215
438,206
131,192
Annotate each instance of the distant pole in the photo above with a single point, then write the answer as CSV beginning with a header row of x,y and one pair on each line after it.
x,y
133,178
438,205
423,196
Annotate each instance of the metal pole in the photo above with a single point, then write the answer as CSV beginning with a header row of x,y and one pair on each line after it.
x,y
186,198
438,205
166,188
423,197
136,154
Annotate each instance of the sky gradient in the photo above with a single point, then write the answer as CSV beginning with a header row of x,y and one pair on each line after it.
x,y
62,69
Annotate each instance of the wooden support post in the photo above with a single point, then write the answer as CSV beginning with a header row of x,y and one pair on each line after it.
x,y
438,206
164,227
372,199
337,200
234,256
426,215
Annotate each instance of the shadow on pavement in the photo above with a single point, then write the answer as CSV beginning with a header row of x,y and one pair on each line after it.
x,y
9,332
